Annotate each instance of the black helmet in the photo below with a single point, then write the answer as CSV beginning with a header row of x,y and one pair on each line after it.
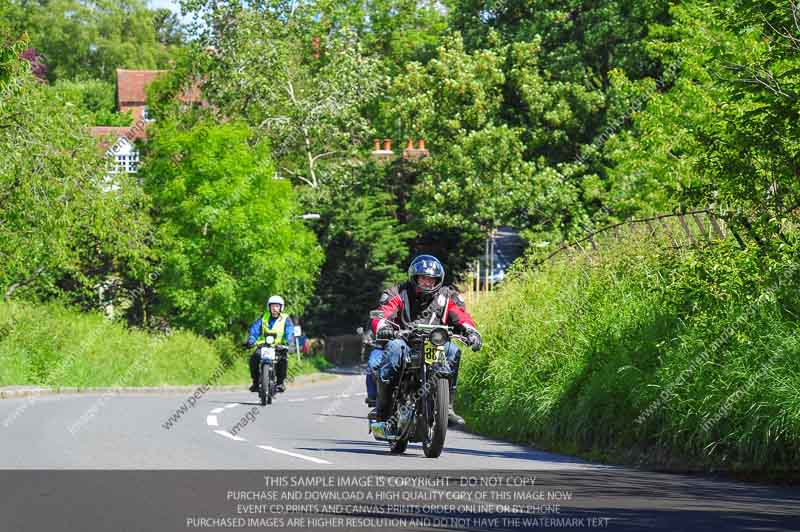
x,y
428,266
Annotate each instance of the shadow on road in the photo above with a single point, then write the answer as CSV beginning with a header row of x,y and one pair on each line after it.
x,y
518,453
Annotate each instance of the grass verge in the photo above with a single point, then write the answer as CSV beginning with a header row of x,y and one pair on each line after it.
x,y
677,360
52,345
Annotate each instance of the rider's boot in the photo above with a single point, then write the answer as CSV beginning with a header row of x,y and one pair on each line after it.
x,y
372,391
452,417
281,369
254,372
383,404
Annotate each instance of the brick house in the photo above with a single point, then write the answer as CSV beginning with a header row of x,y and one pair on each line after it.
x,y
120,142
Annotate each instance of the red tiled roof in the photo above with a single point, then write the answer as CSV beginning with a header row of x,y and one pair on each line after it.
x,y
107,135
132,85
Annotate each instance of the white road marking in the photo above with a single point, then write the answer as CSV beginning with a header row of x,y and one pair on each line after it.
x,y
229,435
345,395
295,400
320,397
362,393
218,410
232,405
211,421
296,455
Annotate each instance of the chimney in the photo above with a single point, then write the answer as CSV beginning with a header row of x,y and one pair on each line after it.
x,y
315,47
385,154
415,154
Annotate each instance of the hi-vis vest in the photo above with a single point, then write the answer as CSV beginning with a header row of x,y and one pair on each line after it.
x,y
278,328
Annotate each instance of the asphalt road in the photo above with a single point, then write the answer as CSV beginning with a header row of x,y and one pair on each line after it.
x,y
226,440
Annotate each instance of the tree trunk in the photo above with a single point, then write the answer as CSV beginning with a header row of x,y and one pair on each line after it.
x,y
16,286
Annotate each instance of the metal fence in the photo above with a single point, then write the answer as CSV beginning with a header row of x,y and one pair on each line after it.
x,y
682,229
679,229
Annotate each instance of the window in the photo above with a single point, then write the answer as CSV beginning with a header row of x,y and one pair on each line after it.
x,y
124,156
127,162
131,163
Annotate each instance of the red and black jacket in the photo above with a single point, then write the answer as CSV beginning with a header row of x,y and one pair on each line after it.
x,y
403,305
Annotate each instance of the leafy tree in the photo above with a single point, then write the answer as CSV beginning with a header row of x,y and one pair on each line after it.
x,y
394,31
228,236
304,95
300,78
64,226
478,176
94,97
366,247
752,160
169,29
724,133
580,39
90,40
558,94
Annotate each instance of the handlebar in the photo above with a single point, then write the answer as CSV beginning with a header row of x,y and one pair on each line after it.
x,y
264,344
405,334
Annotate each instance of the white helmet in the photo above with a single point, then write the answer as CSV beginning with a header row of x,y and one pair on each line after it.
x,y
275,300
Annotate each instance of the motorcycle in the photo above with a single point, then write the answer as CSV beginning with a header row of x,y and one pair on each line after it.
x,y
421,398
268,352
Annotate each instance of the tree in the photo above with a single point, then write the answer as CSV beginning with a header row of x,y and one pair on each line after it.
x,y
64,226
580,39
94,97
169,30
752,159
561,60
394,31
724,133
228,232
478,177
300,78
366,247
81,40
303,91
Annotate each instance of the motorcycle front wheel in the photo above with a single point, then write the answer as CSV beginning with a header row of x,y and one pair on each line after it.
x,y
398,446
265,392
436,418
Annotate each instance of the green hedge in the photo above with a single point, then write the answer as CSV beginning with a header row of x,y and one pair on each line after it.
x,y
52,345
683,360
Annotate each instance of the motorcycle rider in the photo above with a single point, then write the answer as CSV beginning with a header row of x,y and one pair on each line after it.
x,y
274,321
422,298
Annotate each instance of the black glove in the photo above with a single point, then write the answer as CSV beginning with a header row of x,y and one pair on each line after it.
x,y
474,339
385,333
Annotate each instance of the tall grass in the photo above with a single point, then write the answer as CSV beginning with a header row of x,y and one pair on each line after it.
x,y
52,345
641,354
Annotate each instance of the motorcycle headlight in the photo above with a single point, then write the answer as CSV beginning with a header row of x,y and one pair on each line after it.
x,y
439,337
270,340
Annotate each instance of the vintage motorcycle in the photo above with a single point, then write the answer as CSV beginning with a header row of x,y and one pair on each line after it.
x,y
268,354
421,398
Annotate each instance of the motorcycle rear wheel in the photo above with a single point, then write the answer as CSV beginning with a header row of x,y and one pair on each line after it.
x,y
437,427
